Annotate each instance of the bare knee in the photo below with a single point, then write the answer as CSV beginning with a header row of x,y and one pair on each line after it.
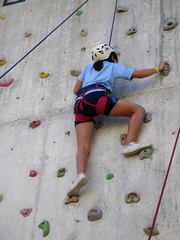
x,y
141,110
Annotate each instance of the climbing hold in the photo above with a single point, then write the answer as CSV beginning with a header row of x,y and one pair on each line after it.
x,y
6,83
2,61
147,118
98,124
3,16
109,176
33,173
83,33
68,133
75,73
146,153
147,231
61,172
45,226
165,71
132,198
27,34
95,214
79,12
1,198
35,124
43,75
83,49
123,138
72,199
170,24
26,211
131,31
122,9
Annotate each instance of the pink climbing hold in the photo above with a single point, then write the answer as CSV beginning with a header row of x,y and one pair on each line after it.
x,y
33,173
6,83
35,124
26,211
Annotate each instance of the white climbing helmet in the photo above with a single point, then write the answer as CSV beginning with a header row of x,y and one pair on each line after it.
x,y
101,52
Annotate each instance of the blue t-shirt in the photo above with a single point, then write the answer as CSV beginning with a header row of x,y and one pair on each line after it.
x,y
106,76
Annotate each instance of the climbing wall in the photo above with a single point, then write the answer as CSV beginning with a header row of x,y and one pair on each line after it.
x,y
37,134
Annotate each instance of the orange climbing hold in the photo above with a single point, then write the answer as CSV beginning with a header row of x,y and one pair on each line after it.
x,y
6,83
72,199
35,124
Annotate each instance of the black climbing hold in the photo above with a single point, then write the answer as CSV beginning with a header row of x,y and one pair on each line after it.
x,y
165,71
95,214
132,198
146,153
61,172
147,118
170,24
98,124
147,231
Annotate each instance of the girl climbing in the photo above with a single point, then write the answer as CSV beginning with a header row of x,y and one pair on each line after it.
x,y
93,89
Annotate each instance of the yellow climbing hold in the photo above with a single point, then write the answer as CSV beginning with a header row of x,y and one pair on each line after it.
x,y
2,61
3,16
43,75
27,34
1,198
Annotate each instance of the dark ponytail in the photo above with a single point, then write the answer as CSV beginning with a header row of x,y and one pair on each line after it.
x,y
99,64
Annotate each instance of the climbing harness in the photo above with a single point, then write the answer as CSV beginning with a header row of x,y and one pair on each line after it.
x,y
112,27
164,184
43,39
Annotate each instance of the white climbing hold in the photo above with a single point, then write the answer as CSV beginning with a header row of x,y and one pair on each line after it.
x,y
122,9
147,231
27,34
83,33
131,31
95,214
75,73
123,138
145,153
148,117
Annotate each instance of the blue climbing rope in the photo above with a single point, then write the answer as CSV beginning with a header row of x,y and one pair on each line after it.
x,y
112,27
43,39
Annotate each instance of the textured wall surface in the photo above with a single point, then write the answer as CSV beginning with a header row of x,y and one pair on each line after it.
x,y
49,147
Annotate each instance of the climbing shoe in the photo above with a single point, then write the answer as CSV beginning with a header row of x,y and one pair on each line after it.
x,y
80,181
134,148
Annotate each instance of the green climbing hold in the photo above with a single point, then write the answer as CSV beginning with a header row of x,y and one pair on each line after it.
x,y
109,176
61,172
79,12
45,226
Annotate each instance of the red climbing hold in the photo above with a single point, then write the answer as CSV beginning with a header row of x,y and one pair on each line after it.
x,y
26,211
35,124
33,173
6,83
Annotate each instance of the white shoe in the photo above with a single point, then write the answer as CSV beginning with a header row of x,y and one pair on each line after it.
x,y
134,148
80,181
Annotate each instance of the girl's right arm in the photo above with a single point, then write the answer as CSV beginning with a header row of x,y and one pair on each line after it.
x,y
77,86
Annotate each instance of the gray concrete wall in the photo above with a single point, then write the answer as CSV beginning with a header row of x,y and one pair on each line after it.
x,y
48,148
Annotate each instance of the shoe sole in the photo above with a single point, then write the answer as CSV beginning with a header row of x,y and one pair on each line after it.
x,y
75,191
128,154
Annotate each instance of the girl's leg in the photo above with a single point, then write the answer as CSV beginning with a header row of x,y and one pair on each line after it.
x,y
136,114
84,133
